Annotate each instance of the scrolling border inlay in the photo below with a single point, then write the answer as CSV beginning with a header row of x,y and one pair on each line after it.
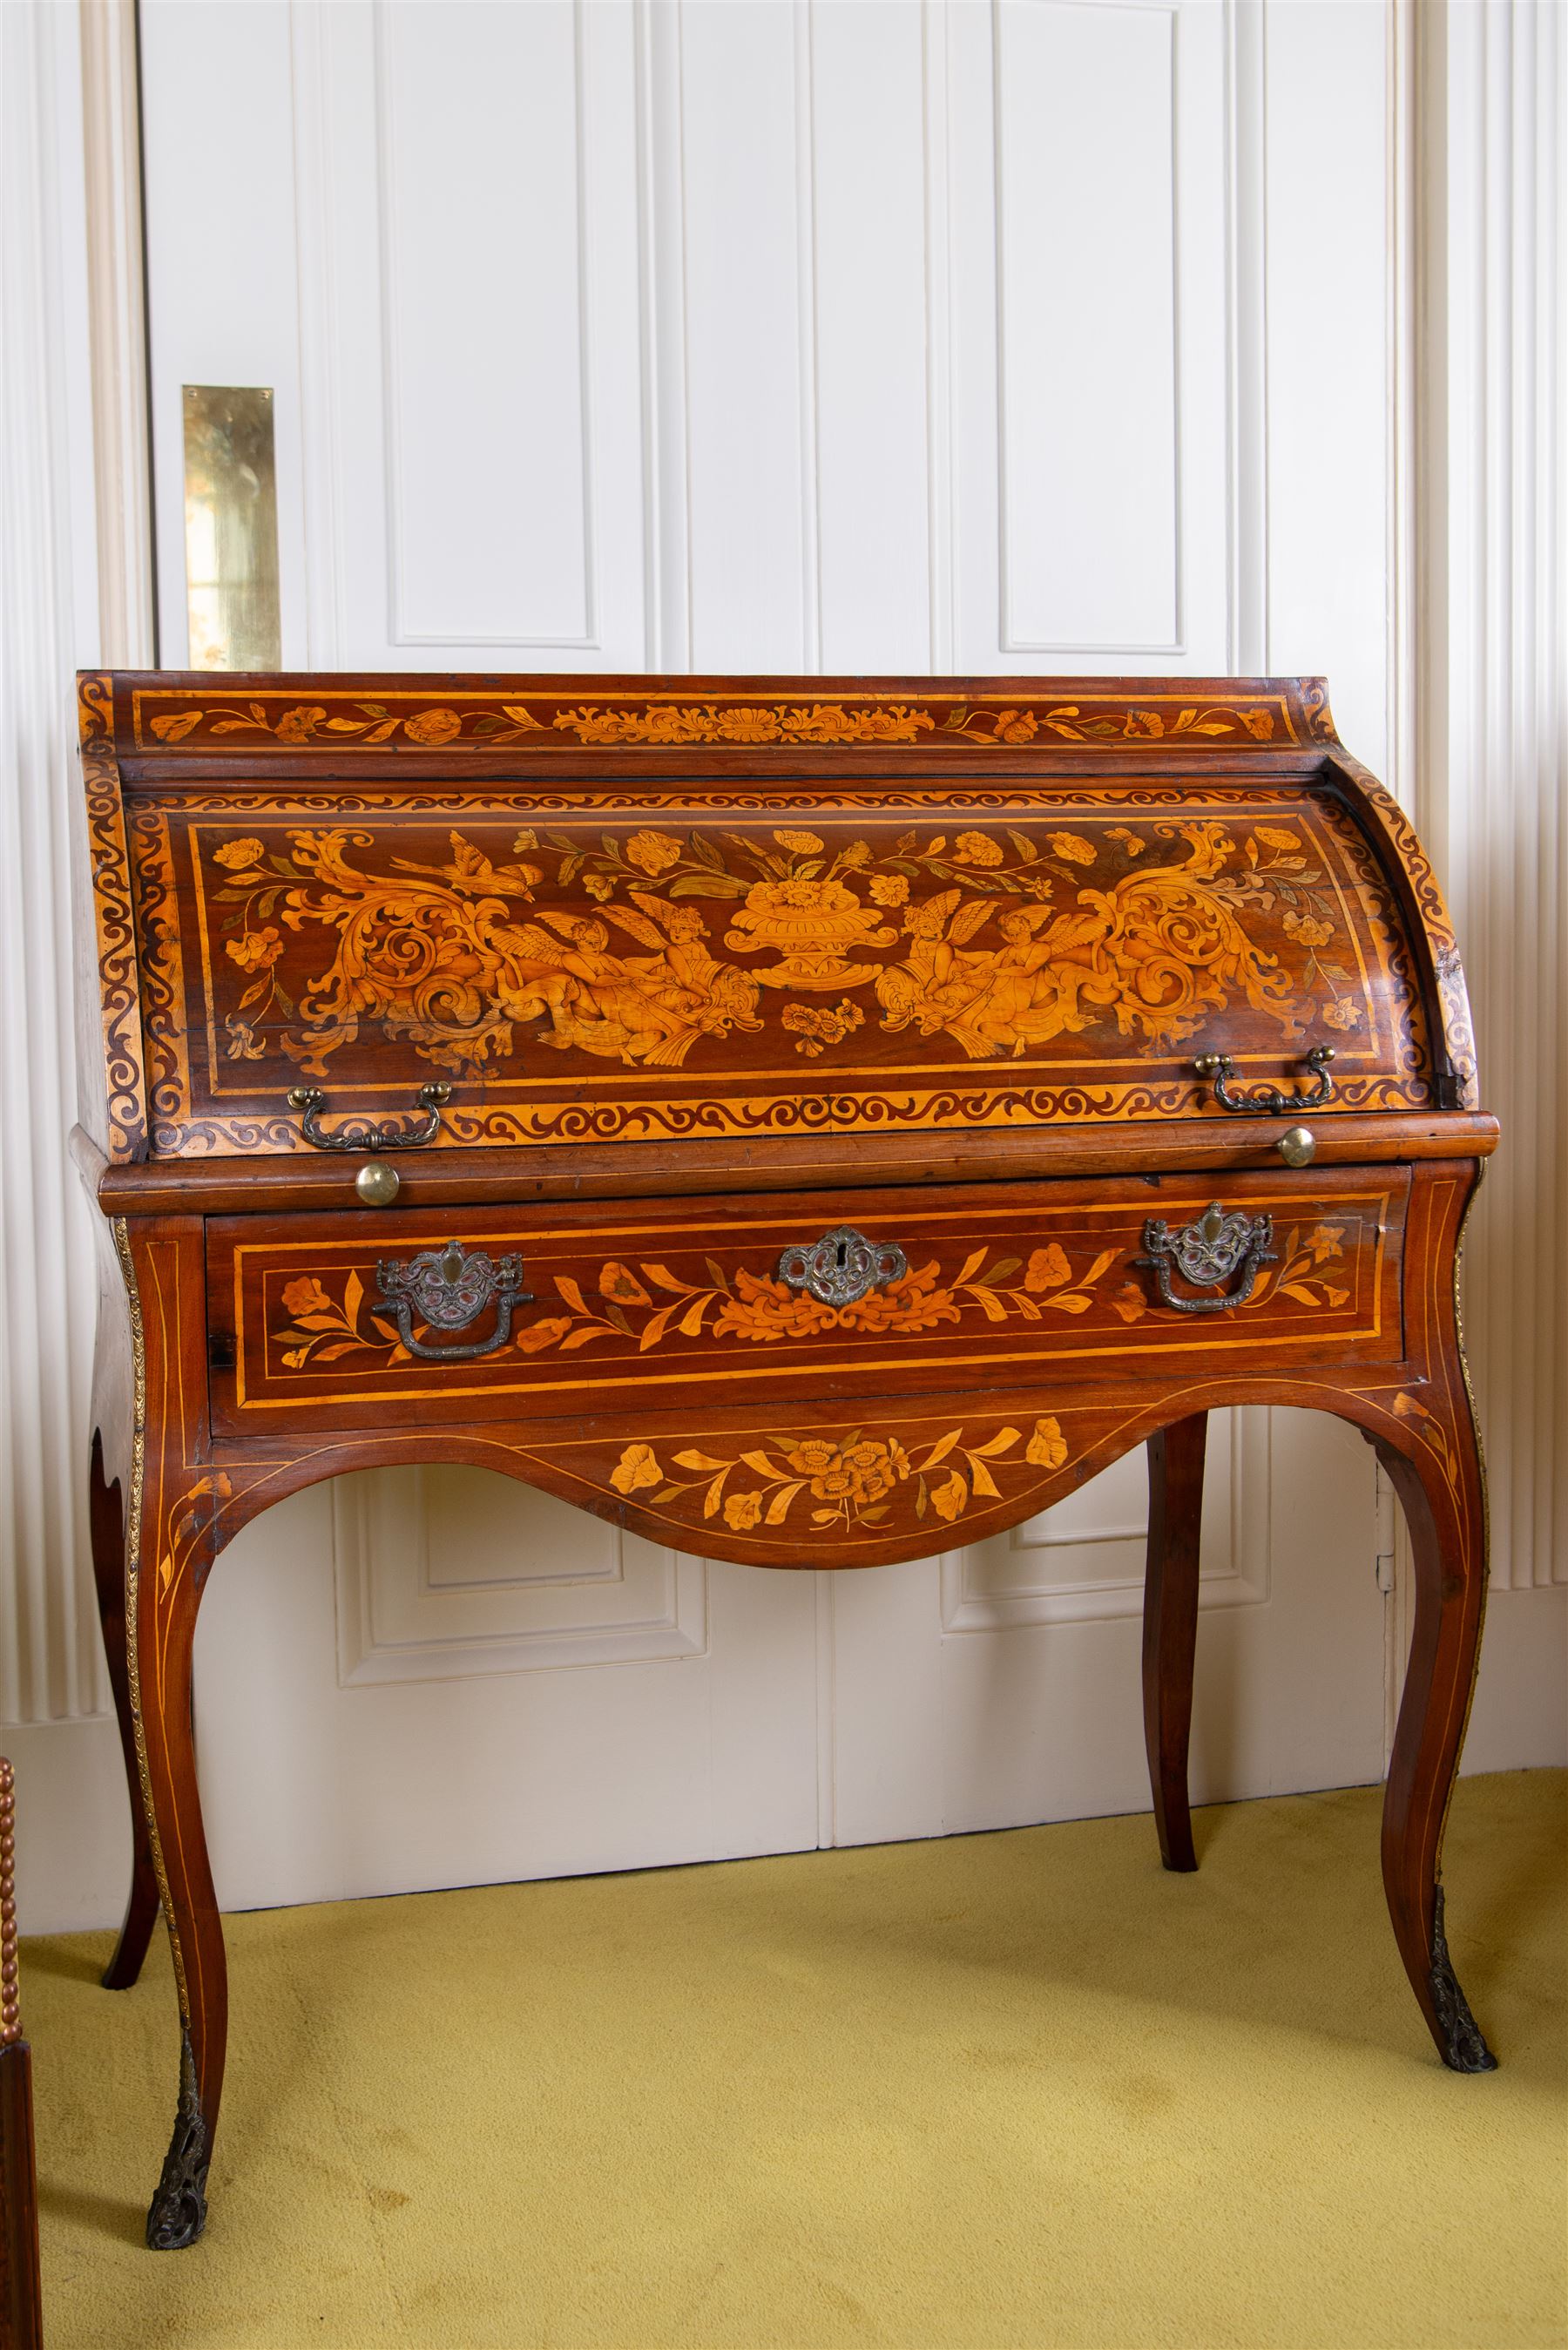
x,y
109,867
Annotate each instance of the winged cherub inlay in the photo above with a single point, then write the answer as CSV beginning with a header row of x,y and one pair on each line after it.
x,y
599,945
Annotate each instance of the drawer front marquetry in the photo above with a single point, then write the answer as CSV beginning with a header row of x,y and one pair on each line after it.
x,y
644,965
566,1309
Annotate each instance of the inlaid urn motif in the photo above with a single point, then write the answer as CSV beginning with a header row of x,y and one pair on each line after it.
x,y
815,925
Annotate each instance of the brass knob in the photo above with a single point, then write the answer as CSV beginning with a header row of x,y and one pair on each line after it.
x,y
378,1184
1298,1145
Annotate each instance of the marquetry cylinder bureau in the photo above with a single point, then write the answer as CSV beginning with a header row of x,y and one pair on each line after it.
x,y
804,1121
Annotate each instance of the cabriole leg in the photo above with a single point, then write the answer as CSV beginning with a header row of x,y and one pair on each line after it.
x,y
173,1509
168,1591
1440,1488
1170,1626
106,1519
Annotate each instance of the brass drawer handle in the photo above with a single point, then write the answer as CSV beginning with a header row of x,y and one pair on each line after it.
x,y
448,1288
842,1266
366,1136
1270,1102
1207,1252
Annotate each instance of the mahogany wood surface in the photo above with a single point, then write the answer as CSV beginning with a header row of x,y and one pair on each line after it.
x,y
106,1521
1170,1625
21,2297
705,973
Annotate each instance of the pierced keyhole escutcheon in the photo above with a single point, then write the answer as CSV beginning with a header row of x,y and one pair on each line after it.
x,y
842,1266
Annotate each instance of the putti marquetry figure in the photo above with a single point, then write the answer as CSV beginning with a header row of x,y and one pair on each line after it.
x,y
791,1118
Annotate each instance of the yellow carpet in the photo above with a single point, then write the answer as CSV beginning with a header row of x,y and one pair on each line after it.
x,y
1021,2089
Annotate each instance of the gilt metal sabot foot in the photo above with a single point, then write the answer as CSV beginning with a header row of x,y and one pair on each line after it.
x,y
1464,2049
178,2209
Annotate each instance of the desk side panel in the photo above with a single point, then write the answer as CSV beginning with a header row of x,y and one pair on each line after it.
x,y
111,1082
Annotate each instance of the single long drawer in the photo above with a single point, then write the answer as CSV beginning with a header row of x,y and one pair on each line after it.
x,y
352,1319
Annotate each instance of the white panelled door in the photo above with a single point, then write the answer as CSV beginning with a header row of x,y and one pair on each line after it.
x,y
754,334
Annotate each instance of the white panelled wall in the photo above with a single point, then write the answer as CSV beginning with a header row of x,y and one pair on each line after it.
x,y
1499,726
1493,715
53,1687
864,335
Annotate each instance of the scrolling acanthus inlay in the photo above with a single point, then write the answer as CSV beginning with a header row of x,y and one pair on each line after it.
x,y
443,954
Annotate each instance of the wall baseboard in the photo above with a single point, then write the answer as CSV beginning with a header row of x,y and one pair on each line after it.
x,y
1520,1719
73,1825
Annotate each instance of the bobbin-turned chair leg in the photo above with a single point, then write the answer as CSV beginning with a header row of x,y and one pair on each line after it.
x,y
21,2319
1170,1626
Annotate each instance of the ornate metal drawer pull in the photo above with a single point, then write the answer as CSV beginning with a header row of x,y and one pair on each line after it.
x,y
366,1136
842,1266
1270,1102
1207,1252
448,1288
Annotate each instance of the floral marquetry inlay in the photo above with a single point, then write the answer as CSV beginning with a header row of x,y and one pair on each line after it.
x,y
710,969
649,1304
636,944
855,1478
615,1312
171,718
651,910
